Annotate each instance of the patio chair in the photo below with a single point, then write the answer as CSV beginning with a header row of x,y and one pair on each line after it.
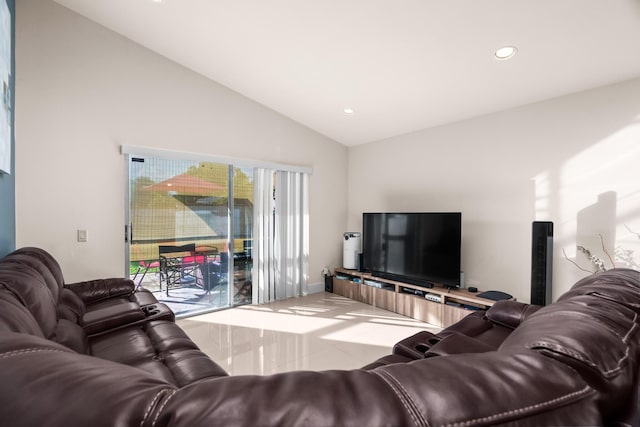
x,y
173,271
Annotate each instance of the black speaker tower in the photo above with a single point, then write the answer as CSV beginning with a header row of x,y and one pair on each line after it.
x,y
541,262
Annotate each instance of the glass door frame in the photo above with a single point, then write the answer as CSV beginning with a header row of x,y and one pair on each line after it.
x,y
128,232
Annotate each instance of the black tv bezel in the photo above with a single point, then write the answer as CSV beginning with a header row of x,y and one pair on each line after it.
x,y
426,282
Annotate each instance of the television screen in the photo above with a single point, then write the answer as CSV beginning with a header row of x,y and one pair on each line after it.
x,y
418,248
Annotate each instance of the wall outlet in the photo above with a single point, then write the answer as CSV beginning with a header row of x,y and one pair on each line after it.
x,y
82,235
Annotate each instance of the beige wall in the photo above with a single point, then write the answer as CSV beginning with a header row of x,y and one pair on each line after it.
x,y
571,160
83,91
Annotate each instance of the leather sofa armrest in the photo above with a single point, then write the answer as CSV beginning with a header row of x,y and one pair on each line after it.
x,y
100,289
111,317
158,311
415,346
458,344
510,313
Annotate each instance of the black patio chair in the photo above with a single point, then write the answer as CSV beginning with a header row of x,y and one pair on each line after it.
x,y
173,271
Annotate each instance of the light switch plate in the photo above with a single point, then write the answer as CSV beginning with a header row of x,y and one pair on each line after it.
x,y
82,235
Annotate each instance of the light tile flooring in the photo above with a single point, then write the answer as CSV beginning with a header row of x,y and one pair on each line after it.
x,y
315,332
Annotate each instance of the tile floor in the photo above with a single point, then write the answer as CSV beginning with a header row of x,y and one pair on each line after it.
x,y
315,332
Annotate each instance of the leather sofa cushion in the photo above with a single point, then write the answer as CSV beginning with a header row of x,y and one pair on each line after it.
x,y
619,285
47,384
37,265
331,398
89,292
70,306
593,333
565,331
111,317
496,387
125,309
190,365
158,347
128,346
386,360
30,289
181,355
46,258
509,313
465,390
143,297
458,344
167,337
14,317
101,289
71,335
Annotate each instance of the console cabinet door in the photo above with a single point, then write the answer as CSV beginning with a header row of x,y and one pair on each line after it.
x,y
382,298
451,315
347,288
420,309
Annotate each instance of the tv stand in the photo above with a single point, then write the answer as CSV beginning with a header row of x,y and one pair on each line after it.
x,y
438,305
393,278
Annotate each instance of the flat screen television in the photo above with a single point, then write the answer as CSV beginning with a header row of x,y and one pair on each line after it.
x,y
418,248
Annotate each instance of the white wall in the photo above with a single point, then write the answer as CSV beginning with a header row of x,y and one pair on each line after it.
x,y
83,91
572,160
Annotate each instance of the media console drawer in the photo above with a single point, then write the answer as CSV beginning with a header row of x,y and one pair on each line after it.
x,y
378,297
438,305
346,288
419,308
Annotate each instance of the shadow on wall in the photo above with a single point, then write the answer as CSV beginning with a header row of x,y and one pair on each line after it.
x,y
594,198
596,230
603,239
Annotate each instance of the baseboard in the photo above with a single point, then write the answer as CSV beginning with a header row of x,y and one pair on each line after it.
x,y
314,288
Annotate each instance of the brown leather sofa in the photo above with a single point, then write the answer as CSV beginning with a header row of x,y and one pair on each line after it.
x,y
574,362
104,318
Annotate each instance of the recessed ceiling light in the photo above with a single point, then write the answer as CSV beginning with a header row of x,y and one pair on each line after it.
x,y
505,52
348,110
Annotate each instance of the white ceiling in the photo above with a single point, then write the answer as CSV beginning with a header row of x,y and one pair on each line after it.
x,y
402,65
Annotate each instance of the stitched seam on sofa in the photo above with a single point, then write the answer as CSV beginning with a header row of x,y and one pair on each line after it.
x,y
32,350
626,341
631,305
523,310
151,405
562,350
404,397
494,418
161,408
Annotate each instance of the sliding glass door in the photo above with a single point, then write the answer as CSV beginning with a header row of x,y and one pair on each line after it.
x,y
189,238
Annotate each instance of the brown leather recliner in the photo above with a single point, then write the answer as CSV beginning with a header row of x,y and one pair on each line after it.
x,y
574,362
97,305
30,304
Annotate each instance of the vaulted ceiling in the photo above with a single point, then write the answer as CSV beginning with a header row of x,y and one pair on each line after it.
x,y
400,65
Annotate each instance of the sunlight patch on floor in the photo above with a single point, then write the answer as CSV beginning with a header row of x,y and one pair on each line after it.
x,y
315,332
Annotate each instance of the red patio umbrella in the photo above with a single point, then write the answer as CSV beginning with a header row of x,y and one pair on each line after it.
x,y
186,184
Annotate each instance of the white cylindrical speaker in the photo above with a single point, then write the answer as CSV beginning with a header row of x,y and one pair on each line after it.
x,y
351,250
